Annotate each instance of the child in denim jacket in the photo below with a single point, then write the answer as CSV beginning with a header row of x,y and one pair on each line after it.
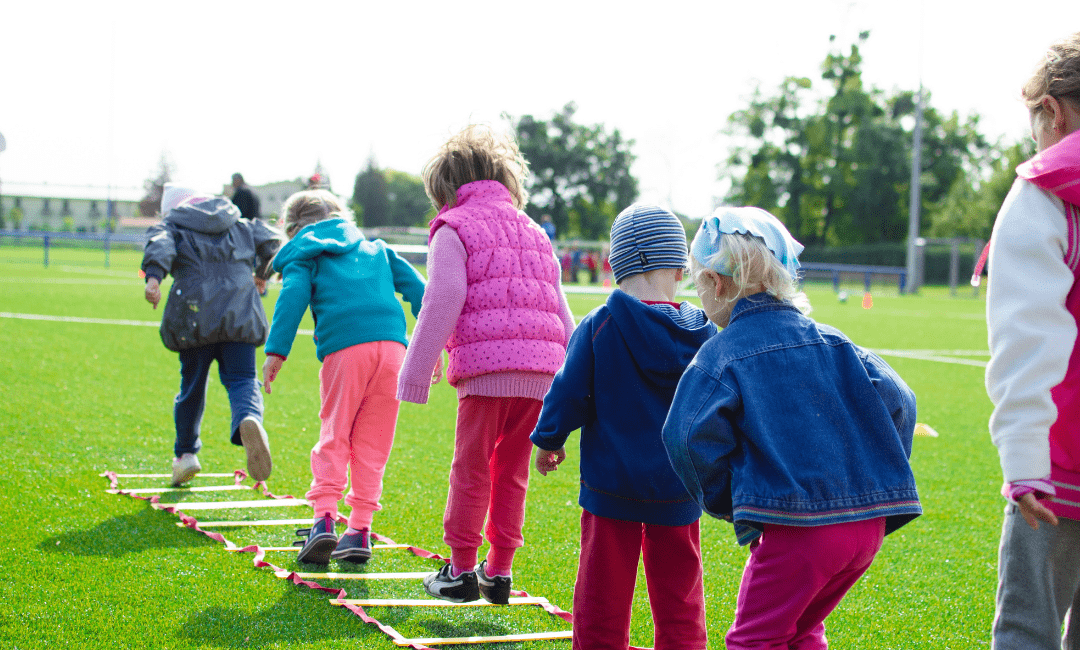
x,y
784,427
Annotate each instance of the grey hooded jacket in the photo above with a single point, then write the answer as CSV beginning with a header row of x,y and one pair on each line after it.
x,y
211,252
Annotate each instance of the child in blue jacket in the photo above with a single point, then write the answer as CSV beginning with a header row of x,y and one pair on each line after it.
x,y
622,366
786,428
349,283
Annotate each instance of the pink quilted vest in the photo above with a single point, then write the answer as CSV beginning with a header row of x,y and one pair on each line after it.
x,y
510,321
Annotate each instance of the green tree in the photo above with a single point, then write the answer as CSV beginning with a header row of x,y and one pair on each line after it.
x,y
580,174
836,166
408,203
969,210
370,193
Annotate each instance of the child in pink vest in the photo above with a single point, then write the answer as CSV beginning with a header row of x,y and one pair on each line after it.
x,y
494,301
1033,378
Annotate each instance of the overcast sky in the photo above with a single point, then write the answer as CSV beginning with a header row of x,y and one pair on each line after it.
x,y
96,92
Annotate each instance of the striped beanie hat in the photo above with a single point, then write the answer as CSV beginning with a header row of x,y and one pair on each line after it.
x,y
644,238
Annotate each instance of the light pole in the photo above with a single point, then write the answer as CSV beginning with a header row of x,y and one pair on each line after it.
x,y
913,279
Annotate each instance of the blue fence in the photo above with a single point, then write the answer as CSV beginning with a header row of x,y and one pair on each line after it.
x,y
835,271
48,240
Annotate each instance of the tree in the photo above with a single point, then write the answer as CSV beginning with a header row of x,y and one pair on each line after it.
x,y
370,193
969,210
150,204
579,174
409,204
836,168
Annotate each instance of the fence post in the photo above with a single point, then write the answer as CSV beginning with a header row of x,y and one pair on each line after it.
x,y
45,245
954,266
106,250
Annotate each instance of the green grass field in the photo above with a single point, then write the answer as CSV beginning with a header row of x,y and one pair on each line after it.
x,y
83,568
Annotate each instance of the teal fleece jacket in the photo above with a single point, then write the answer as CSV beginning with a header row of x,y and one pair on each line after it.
x,y
349,282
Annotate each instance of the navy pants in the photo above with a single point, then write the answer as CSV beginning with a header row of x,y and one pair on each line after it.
x,y
236,368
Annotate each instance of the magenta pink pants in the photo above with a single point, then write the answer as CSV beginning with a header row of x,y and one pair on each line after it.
x,y
794,578
607,573
488,479
358,386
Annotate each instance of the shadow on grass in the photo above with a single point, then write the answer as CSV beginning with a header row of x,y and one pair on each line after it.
x,y
300,617
134,533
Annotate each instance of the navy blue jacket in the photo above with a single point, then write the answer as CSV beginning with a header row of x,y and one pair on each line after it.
x,y
783,420
622,366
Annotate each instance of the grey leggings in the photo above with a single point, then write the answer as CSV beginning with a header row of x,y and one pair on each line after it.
x,y
1038,576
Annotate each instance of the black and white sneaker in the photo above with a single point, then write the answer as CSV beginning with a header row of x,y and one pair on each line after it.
x,y
319,543
461,589
494,589
354,547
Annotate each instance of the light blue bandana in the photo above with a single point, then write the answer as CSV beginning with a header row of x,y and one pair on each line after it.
x,y
747,221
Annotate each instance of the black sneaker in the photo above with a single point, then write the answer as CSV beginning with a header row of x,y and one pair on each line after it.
x,y
320,541
354,547
461,589
496,589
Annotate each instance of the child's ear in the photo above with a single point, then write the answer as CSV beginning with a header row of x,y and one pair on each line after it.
x,y
719,286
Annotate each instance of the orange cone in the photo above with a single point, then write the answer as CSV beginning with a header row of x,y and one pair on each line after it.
x,y
867,300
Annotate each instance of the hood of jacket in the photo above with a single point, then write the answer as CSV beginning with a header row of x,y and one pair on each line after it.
x,y
330,236
211,216
658,346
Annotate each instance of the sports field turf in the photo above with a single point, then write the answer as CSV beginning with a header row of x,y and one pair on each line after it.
x,y
83,568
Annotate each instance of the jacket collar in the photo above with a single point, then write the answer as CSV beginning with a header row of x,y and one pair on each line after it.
x,y
759,302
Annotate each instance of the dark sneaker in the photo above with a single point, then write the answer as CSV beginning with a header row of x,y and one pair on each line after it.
x,y
354,547
320,541
257,446
461,589
496,589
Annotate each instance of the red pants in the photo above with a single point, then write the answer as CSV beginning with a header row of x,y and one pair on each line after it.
x,y
607,573
794,578
359,413
488,479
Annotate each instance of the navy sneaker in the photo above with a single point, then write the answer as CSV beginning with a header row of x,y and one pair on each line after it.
x,y
494,589
320,541
461,589
354,547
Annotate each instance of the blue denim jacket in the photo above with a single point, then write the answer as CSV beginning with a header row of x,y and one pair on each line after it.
x,y
783,420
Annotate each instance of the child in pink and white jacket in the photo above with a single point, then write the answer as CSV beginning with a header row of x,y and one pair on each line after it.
x,y
494,301
1033,378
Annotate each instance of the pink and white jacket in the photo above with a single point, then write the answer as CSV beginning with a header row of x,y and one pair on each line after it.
x,y
1033,312
496,303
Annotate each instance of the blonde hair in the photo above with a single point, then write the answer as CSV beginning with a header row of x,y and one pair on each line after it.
x,y
476,153
308,207
753,269
1057,75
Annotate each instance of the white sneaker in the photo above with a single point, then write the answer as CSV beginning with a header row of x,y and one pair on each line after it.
x,y
257,446
185,468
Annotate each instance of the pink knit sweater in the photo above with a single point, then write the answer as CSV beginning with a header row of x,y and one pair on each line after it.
x,y
490,307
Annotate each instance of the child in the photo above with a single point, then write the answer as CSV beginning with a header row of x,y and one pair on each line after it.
x,y
349,283
620,374
495,302
787,429
213,314
1033,378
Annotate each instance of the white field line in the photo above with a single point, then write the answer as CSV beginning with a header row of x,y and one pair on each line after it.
x,y
101,321
940,356
69,281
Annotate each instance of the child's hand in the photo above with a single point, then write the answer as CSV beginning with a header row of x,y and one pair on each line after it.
x,y
1033,511
260,285
270,370
548,461
436,376
153,292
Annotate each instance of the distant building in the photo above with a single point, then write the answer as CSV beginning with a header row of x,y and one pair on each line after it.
x,y
80,208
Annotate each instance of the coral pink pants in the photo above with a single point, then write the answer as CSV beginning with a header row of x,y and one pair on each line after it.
x,y
358,386
607,573
794,578
488,479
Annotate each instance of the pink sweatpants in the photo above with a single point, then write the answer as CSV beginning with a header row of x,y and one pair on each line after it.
x,y
488,479
358,386
607,573
794,578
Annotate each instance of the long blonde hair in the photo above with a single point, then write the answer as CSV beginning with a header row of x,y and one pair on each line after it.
x,y
753,269
310,206
476,153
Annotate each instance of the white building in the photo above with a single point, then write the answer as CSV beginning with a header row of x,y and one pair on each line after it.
x,y
81,208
